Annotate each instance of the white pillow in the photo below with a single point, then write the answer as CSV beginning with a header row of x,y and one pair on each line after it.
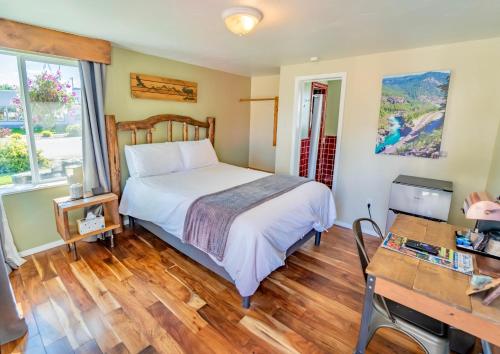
x,y
153,159
197,154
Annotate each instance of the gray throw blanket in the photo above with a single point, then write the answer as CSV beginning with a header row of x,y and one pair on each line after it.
x,y
209,218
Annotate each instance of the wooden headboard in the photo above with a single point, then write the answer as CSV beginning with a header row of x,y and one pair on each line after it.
x,y
148,124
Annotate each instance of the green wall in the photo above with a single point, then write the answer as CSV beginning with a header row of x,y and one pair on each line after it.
x,y
30,213
332,107
218,96
31,216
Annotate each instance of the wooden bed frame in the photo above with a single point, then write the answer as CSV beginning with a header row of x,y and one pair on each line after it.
x,y
148,124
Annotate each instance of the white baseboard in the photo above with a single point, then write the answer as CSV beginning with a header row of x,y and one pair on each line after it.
x,y
58,243
368,231
41,248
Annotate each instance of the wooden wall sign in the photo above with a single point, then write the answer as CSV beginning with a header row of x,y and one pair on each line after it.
x,y
162,88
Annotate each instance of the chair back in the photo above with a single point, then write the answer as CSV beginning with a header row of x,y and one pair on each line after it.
x,y
360,244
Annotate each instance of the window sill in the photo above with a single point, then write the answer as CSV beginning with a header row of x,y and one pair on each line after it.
x,y
9,190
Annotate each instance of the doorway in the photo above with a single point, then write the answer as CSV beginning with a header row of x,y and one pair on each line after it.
x,y
319,125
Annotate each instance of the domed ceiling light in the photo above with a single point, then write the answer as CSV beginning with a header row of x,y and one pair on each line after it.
x,y
241,20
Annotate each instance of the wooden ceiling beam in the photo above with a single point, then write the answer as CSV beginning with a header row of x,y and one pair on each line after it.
x,y
21,36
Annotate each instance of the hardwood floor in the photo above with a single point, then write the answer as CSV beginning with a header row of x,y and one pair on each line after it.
x,y
144,297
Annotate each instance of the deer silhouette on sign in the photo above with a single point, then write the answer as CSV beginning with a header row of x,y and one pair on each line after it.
x,y
187,92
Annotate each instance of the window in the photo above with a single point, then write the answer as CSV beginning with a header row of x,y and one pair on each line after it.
x,y
40,119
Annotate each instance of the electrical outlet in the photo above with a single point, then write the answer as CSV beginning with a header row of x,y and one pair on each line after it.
x,y
369,203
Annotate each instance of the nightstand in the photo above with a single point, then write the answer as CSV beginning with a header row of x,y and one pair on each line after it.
x,y
69,232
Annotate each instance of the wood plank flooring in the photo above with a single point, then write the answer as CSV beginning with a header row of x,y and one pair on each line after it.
x,y
144,297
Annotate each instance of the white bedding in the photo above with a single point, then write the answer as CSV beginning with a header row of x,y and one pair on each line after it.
x,y
258,238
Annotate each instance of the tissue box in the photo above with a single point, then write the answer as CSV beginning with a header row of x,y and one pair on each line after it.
x,y
88,225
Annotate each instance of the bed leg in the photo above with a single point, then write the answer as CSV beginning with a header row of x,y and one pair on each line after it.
x,y
317,238
131,222
246,302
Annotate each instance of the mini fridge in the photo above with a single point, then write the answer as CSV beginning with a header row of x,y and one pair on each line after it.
x,y
423,197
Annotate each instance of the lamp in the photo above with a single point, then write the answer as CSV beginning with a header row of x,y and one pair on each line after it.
x,y
481,206
241,20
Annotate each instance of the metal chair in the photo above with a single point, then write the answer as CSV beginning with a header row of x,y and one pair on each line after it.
x,y
429,333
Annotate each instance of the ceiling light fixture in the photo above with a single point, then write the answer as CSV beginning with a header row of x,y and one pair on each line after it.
x,y
241,20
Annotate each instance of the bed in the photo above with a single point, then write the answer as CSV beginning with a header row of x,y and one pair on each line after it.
x,y
259,239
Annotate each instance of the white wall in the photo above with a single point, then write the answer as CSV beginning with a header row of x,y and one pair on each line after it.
x,y
262,151
470,128
493,185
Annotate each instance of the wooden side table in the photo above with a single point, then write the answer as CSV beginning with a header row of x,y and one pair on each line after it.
x,y
69,233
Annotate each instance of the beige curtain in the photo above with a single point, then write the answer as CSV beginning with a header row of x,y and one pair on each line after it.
x,y
12,257
11,326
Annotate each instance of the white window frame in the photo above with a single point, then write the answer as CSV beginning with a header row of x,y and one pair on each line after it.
x,y
28,119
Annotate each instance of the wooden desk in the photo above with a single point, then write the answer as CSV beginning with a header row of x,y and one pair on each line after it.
x,y
427,288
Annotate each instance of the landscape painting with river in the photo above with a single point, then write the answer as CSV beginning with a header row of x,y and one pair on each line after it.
x,y
412,113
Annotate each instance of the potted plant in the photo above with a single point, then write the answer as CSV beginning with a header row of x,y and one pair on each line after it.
x,y
50,98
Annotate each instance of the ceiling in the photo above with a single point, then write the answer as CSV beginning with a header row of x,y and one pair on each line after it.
x,y
291,32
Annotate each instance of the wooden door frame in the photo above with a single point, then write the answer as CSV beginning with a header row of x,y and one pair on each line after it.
x,y
323,88
319,86
299,85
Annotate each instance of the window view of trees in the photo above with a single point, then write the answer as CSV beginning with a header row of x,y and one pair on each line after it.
x,y
40,119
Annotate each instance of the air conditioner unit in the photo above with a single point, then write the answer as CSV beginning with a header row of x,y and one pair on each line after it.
x,y
423,197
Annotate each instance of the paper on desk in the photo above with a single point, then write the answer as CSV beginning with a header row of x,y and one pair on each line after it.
x,y
473,290
457,261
